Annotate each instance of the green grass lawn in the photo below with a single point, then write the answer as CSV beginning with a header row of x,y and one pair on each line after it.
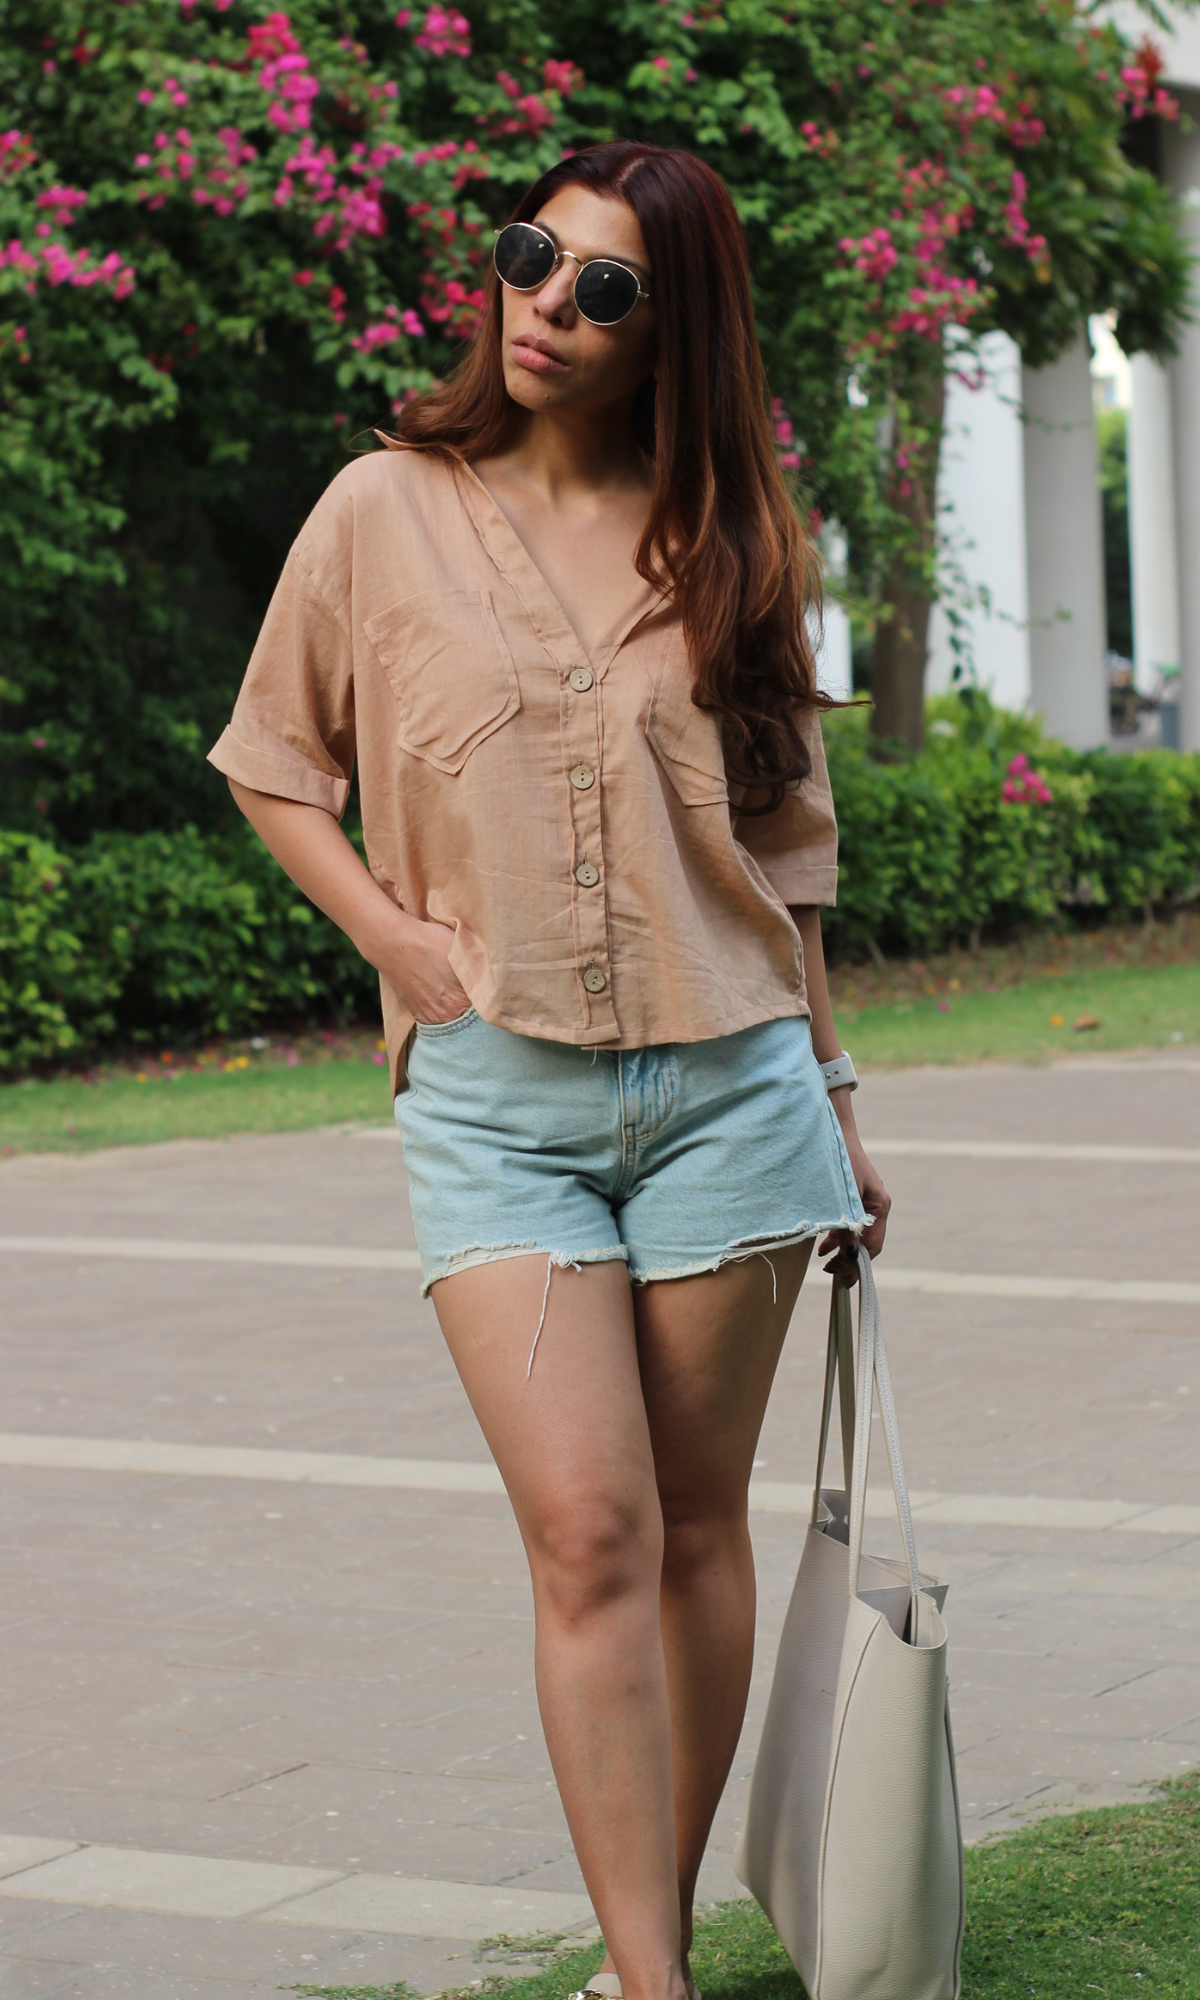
x,y
1002,1005
74,1115
1116,1007
1103,1903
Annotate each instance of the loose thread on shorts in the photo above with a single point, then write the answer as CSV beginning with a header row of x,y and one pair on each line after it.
x,y
774,1280
542,1318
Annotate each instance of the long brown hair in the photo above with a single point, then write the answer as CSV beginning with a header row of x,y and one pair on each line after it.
x,y
723,536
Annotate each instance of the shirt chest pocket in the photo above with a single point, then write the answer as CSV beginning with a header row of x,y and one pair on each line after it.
x,y
686,740
450,670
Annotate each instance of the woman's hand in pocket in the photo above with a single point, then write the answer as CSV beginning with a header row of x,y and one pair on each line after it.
x,y
416,964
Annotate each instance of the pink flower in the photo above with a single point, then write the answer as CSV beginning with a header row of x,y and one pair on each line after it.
x,y
444,34
536,112
412,325
561,76
1024,786
145,97
379,335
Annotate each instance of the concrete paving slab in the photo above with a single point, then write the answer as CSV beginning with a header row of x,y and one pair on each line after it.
x,y
151,1949
33,1980
118,1985
177,1884
418,1908
489,1855
21,1851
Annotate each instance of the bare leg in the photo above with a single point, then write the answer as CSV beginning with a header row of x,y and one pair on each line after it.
x,y
574,1447
708,1349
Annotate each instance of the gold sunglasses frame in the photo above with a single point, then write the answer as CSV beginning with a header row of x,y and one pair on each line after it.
x,y
559,256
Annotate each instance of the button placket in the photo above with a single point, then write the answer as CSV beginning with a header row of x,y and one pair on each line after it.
x,y
582,743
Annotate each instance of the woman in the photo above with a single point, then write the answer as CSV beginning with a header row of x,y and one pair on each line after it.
x,y
561,624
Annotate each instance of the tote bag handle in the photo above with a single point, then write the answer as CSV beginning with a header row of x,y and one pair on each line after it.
x,y
839,1364
874,1373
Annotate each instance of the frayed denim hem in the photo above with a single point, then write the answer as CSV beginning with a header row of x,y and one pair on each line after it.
x,y
498,1253
740,1253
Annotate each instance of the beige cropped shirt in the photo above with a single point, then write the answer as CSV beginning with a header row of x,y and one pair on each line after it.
x,y
568,816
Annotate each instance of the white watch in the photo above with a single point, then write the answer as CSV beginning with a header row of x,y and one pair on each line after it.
x,y
840,1073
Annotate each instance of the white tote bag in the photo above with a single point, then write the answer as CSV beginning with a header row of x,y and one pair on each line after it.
x,y
852,1841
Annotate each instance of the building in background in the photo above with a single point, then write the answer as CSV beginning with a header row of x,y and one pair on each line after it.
x,y
1020,500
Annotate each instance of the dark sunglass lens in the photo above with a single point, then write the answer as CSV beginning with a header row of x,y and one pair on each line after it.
x,y
605,292
524,257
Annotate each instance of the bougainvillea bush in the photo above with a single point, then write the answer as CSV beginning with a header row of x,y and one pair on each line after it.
x,y
910,172
233,239
230,239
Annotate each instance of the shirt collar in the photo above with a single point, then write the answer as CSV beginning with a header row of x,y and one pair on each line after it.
x,y
546,614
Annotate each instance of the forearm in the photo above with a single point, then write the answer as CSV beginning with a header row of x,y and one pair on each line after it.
x,y
826,1043
310,846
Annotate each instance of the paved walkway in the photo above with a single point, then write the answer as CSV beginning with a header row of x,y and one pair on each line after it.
x,y
268,1711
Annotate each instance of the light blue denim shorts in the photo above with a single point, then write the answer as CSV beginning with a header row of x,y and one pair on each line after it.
x,y
675,1159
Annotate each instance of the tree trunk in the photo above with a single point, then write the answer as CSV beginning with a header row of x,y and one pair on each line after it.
x,y
902,633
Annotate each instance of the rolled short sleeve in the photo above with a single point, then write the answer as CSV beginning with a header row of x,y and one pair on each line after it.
x,y
292,730
796,845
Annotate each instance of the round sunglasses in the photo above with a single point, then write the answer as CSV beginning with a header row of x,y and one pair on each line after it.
x,y
605,292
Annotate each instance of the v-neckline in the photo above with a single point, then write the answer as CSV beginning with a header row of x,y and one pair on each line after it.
x,y
550,621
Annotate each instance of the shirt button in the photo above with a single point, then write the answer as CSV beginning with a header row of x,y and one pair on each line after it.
x,y
586,875
582,777
594,979
581,679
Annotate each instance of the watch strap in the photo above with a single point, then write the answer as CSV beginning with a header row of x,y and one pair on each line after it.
x,y
839,1074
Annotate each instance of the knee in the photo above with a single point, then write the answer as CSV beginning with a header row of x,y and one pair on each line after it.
x,y
593,1549
701,1539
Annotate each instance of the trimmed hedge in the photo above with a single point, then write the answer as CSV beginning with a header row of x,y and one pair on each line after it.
x,y
932,852
169,937
160,937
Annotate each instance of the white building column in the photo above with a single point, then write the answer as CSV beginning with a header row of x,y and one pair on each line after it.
x,y
981,519
834,662
1181,167
1065,538
1154,572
